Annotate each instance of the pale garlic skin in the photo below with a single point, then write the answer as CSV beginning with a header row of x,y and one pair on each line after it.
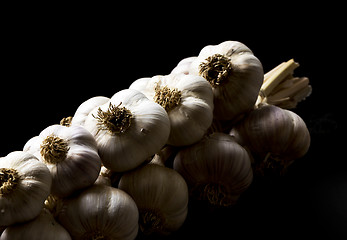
x,y
238,93
81,166
273,133
85,108
146,134
193,115
100,211
161,195
183,66
26,200
42,227
217,169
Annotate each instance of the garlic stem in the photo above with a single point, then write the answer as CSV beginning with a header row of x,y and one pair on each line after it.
x,y
167,97
277,76
53,149
280,88
115,120
9,179
216,69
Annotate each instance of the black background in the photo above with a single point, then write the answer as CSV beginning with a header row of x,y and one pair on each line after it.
x,y
56,57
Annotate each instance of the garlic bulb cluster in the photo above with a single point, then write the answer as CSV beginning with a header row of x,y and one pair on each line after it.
x,y
188,101
161,194
275,136
216,169
129,164
25,183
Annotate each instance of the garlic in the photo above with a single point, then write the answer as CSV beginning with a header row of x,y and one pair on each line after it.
x,y
217,169
100,212
86,107
161,196
25,183
128,129
183,66
282,89
71,155
42,227
235,75
276,137
188,101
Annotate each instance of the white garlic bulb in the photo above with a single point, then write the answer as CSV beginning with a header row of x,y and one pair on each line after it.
x,y
71,155
100,212
161,196
128,129
217,169
25,183
235,75
275,136
42,227
188,101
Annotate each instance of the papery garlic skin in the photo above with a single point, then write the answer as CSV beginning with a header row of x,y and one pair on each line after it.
x,y
216,169
100,211
25,200
146,132
81,165
161,196
238,90
193,115
43,227
183,66
86,107
273,135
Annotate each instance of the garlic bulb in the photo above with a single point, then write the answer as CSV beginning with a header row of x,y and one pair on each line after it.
x,y
25,183
216,169
100,212
276,137
161,196
188,101
183,66
71,155
42,227
235,75
128,129
86,107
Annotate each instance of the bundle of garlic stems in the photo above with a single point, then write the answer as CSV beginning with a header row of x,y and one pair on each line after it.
x,y
282,89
